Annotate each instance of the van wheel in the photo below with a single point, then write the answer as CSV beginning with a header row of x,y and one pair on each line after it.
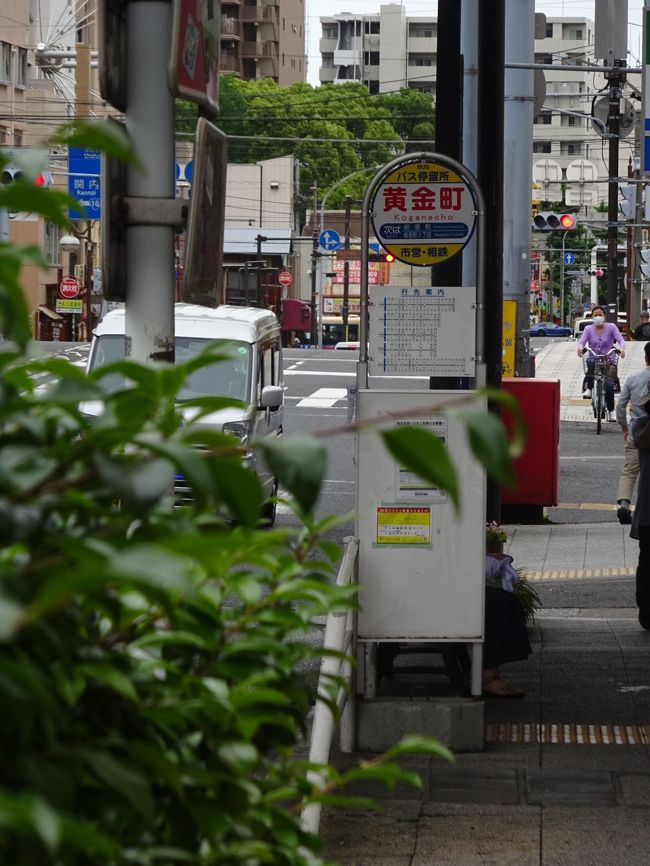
x,y
269,508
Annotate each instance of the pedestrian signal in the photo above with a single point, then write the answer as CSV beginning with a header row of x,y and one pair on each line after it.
x,y
545,221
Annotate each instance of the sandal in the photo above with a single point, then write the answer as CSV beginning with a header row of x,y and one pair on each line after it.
x,y
499,688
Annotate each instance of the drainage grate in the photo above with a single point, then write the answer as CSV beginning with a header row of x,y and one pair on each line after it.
x,y
580,735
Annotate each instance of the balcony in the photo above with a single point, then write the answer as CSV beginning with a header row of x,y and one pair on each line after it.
x,y
270,50
250,49
249,13
230,27
230,63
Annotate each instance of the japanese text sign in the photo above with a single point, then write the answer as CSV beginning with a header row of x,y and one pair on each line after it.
x,y
423,212
83,182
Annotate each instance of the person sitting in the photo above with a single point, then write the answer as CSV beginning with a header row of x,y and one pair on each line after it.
x,y
506,635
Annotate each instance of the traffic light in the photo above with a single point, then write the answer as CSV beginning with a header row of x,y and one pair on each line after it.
x,y
12,174
545,221
381,256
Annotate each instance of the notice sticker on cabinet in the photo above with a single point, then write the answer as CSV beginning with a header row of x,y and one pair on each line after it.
x,y
403,525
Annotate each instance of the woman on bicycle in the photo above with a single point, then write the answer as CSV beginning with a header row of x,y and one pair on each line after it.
x,y
601,337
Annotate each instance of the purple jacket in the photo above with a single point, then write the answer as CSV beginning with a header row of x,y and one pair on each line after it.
x,y
604,343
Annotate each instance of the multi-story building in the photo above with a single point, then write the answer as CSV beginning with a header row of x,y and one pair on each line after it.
x,y
384,51
388,50
264,39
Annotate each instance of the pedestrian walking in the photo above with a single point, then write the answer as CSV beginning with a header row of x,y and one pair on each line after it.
x,y
642,330
640,432
632,394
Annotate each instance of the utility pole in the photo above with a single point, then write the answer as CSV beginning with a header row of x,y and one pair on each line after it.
x,y
346,267
150,126
82,110
314,260
616,81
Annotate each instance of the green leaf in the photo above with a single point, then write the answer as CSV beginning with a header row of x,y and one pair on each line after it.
x,y
112,678
107,136
241,757
418,450
415,745
489,443
299,463
45,822
153,566
123,779
11,617
513,418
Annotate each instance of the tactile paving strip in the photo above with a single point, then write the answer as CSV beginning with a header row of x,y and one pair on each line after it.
x,y
571,734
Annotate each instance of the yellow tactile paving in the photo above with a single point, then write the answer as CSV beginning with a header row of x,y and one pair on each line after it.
x,y
584,734
580,573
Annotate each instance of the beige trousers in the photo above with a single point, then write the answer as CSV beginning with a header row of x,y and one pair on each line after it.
x,y
629,472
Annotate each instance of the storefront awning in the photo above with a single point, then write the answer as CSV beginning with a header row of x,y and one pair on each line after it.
x,y
50,313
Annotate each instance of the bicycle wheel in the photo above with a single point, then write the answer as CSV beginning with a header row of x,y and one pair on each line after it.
x,y
599,405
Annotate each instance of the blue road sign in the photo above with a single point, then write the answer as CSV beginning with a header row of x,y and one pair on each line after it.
x,y
329,240
83,182
569,259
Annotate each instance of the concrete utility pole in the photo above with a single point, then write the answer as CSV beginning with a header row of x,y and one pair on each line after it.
x,y
469,50
314,270
82,109
346,267
150,125
518,148
616,81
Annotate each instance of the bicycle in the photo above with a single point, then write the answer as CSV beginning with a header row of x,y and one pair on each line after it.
x,y
603,369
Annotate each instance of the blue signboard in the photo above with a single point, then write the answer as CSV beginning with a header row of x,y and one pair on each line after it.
x,y
83,182
329,240
569,259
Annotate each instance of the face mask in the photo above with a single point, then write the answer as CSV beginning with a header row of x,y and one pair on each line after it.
x,y
599,320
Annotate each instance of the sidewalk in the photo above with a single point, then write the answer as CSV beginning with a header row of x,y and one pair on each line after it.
x,y
565,775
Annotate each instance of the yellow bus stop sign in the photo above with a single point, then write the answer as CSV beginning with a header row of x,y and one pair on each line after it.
x,y
423,213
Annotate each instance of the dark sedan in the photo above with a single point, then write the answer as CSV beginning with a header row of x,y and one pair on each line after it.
x,y
548,329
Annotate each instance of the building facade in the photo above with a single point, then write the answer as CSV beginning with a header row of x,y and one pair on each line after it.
x,y
264,39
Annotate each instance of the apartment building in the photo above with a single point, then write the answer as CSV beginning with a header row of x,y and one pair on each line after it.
x,y
385,51
390,50
264,39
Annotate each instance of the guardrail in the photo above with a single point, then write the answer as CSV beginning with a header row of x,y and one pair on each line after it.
x,y
339,636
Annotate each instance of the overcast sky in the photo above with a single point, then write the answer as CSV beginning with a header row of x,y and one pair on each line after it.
x,y
556,8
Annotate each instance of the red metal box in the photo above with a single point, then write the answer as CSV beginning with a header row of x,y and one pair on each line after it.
x,y
538,468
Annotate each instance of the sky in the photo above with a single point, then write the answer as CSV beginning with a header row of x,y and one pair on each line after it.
x,y
552,8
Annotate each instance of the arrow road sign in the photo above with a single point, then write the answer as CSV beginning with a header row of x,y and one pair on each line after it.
x,y
329,240
569,259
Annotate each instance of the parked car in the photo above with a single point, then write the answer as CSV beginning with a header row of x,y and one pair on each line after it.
x,y
253,374
549,329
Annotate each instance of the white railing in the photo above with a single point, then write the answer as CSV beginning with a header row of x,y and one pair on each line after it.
x,y
339,636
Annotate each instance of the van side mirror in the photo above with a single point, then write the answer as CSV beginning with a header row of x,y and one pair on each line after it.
x,y
272,397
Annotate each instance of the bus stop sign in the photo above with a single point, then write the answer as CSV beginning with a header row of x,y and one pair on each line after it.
x,y
423,211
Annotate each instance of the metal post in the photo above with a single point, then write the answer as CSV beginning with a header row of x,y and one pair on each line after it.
x,y
616,80
315,324
346,267
88,270
150,124
469,50
562,319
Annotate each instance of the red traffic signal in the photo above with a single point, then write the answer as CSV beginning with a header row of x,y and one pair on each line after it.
x,y
389,257
553,222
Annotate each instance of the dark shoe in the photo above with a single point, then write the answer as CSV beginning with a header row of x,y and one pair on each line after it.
x,y
624,515
644,620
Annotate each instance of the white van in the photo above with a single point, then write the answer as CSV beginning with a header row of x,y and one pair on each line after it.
x,y
580,324
253,373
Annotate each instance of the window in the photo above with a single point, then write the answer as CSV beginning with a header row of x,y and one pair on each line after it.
x,y
569,120
541,147
421,31
572,149
371,58
374,26
570,31
544,118
3,134
373,86
21,68
420,60
549,30
51,245
18,138
330,31
328,61
293,63
5,62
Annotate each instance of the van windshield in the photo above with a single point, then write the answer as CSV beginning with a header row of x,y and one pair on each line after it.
x,y
227,378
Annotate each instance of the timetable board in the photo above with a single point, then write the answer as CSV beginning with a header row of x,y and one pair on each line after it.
x,y
422,331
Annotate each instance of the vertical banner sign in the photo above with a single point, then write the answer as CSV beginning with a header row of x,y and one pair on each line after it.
x,y
84,167
194,63
423,212
508,335
646,87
